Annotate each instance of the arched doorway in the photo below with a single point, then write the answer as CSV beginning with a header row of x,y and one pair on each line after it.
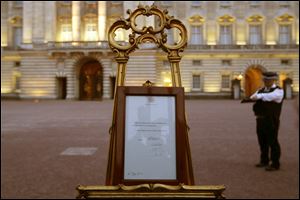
x,y
253,80
90,83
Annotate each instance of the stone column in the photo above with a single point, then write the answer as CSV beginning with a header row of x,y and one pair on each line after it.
x,y
27,21
270,32
241,35
211,32
4,24
106,66
102,20
270,26
38,22
10,27
50,21
296,32
76,20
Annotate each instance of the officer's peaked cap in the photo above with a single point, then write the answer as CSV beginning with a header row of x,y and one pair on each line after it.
x,y
270,76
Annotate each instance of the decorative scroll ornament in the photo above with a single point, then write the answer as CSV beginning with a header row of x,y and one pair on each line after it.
x,y
151,191
285,19
147,34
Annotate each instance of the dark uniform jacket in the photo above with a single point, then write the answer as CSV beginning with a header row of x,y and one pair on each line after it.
x,y
266,108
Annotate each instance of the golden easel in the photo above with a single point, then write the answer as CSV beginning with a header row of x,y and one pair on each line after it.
x,y
114,188
147,34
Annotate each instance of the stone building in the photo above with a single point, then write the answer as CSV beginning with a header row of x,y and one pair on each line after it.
x,y
59,49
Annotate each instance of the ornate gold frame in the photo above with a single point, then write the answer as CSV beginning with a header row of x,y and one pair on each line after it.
x,y
148,34
159,37
139,36
151,191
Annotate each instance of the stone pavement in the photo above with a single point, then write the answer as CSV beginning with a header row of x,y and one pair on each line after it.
x,y
49,147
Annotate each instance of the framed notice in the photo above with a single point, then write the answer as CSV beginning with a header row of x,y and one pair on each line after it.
x,y
150,128
150,132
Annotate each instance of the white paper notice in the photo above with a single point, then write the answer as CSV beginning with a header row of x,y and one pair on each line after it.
x,y
150,138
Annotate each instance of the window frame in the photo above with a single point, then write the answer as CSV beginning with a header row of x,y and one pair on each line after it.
x,y
229,82
226,37
287,34
193,82
196,36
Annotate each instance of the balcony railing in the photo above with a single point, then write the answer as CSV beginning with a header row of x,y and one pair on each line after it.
x,y
78,45
53,45
243,47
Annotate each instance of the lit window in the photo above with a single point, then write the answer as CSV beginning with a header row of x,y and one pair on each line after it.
x,y
225,34
196,81
91,32
66,32
255,34
225,81
196,35
284,34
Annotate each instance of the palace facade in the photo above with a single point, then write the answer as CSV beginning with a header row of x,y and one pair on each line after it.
x,y
59,49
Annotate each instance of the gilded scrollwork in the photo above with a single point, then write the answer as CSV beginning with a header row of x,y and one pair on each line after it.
x,y
152,191
147,34
140,35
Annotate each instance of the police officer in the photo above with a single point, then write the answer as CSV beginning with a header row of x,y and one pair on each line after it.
x,y
267,109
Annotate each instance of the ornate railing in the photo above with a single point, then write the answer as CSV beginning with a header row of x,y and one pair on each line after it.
x,y
243,47
78,45
104,45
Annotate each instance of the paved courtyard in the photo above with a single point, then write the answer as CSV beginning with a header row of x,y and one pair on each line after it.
x,y
50,147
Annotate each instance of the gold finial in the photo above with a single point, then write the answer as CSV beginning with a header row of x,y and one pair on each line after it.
x,y
148,84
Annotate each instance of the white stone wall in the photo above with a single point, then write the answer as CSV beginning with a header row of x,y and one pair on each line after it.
x,y
70,73
39,69
295,75
39,72
107,72
7,76
38,34
38,77
140,68
4,22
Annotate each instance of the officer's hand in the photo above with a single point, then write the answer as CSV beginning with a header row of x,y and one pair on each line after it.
x,y
254,96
